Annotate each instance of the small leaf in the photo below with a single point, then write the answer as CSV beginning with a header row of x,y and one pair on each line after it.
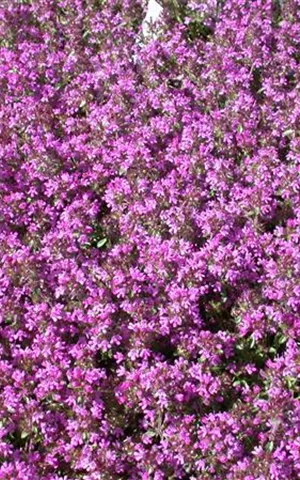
x,y
282,339
288,132
270,446
236,383
86,33
101,243
25,434
290,382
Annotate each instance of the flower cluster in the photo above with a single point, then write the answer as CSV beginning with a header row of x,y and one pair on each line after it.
x,y
149,240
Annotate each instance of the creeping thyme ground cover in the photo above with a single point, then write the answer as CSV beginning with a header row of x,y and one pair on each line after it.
x,y
149,240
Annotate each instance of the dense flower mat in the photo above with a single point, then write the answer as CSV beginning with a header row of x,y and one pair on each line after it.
x,y
149,242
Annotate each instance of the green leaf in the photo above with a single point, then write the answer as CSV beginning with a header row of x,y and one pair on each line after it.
x,y
270,446
25,434
86,33
240,382
282,339
101,243
290,382
288,132
151,433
